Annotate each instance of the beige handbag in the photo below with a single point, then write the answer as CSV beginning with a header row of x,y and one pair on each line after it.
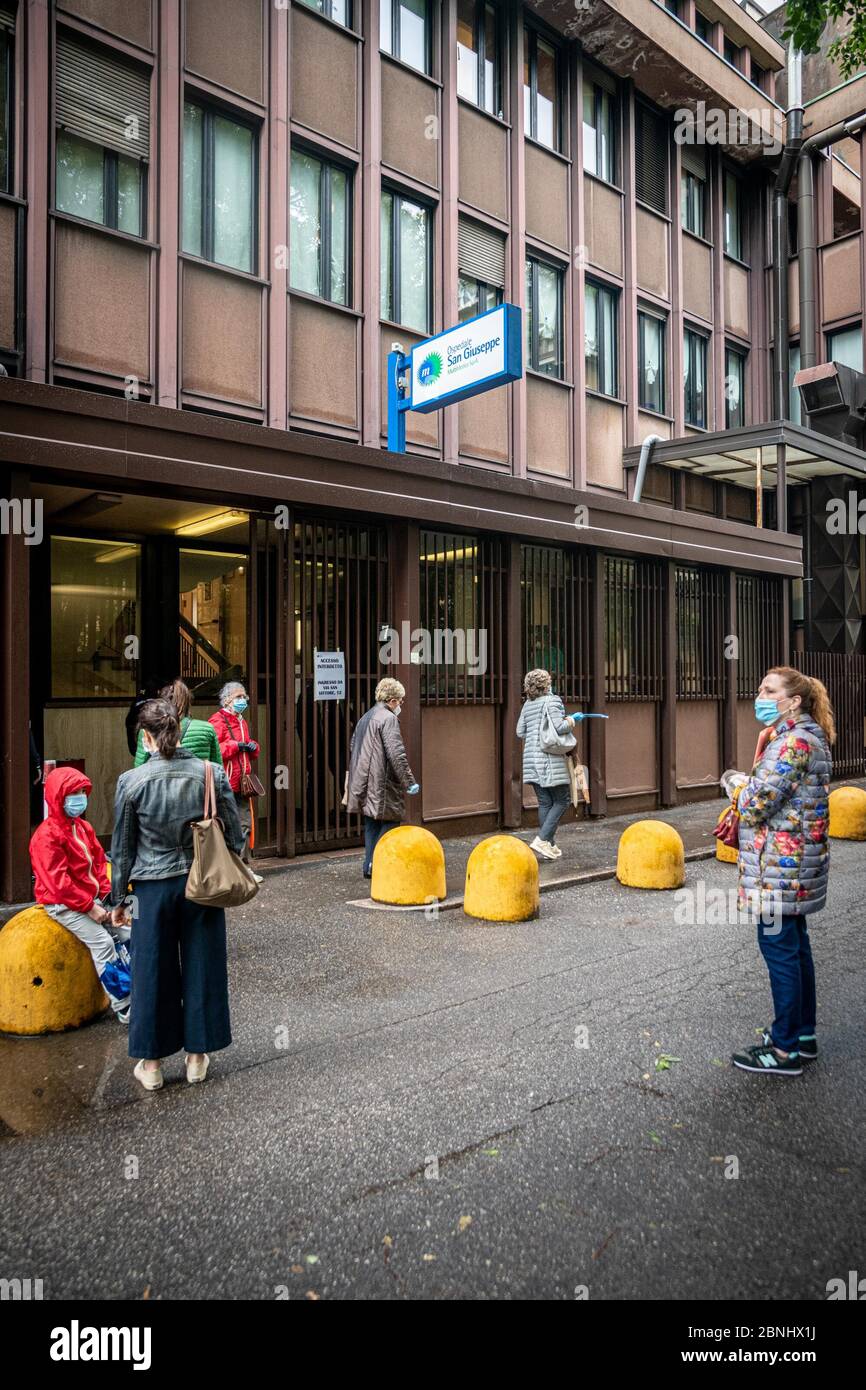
x,y
218,877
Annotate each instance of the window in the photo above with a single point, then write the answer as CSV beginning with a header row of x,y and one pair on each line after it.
x,y
695,378
212,625
703,27
103,137
321,228
95,606
338,10
693,186
478,67
543,317
651,362
651,158
404,31
794,394
731,52
541,104
793,223
673,6
735,388
846,346
481,263
733,216
405,261
219,187
600,338
599,131
846,215
759,75
7,69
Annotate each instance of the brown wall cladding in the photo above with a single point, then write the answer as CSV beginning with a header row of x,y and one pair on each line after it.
x,y
737,299
699,748
129,21
7,276
631,749
840,265
454,778
410,139
697,277
652,235
603,225
323,373
546,197
222,336
483,156
484,426
86,332
224,43
548,409
420,429
324,77
604,441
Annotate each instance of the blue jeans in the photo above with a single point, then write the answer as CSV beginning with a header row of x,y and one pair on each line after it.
x,y
788,954
552,803
373,832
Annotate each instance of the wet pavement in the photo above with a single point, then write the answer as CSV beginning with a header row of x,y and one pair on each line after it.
x,y
408,1111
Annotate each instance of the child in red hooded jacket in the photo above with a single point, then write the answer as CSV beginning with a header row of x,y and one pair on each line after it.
x,y
69,866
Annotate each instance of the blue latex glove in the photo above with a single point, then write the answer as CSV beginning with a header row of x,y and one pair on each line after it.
x,y
413,790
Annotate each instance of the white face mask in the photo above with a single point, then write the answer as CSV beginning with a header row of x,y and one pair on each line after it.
x,y
398,710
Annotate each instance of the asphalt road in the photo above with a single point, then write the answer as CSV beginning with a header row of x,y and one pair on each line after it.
x,y
409,1112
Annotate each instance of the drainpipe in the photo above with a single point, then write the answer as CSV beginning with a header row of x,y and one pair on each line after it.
x,y
645,450
793,142
807,231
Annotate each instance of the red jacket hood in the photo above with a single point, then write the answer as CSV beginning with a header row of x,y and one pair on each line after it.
x,y
63,782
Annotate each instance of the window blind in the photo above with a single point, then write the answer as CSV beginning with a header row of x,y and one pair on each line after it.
x,y
102,99
481,252
651,159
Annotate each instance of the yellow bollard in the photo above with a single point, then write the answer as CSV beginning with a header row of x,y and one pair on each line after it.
x,y
848,813
651,855
408,867
502,881
726,854
48,982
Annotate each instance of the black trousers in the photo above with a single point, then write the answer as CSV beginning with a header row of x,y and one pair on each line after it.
x,y
180,988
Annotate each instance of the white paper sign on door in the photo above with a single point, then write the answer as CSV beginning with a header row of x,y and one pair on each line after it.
x,y
330,676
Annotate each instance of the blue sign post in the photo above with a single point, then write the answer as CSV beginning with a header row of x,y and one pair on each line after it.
x,y
472,357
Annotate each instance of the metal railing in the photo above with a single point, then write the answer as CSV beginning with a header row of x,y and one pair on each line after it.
x,y
844,674
556,616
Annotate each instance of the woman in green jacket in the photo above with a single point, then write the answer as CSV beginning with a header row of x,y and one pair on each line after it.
x,y
195,734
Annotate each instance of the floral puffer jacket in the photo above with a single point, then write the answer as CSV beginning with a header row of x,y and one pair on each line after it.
x,y
783,850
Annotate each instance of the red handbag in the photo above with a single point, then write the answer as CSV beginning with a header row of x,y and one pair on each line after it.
x,y
728,828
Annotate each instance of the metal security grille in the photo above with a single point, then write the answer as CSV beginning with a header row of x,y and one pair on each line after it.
x,y
461,646
700,634
634,615
340,588
759,630
556,617
102,99
844,674
651,158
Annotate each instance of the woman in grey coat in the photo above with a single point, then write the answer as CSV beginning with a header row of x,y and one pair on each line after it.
x,y
379,771
784,856
546,773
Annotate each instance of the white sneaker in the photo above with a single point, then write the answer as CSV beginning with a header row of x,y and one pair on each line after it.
x,y
258,878
543,849
151,1079
196,1071
557,852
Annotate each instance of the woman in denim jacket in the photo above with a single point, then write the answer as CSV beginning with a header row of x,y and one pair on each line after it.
x,y
784,856
179,966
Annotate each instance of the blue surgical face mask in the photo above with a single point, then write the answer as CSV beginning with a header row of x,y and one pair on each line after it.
x,y
75,805
239,705
767,711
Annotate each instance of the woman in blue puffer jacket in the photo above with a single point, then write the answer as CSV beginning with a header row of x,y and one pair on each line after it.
x,y
784,856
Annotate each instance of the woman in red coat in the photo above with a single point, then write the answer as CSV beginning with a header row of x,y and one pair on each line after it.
x,y
239,751
71,881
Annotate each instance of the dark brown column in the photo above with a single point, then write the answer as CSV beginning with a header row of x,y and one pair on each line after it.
x,y
371,407
732,666
668,731
598,727
39,147
167,263
628,388
278,171
517,240
449,173
578,281
15,776
512,748
404,562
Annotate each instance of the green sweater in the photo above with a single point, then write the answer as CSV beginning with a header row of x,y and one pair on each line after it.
x,y
197,735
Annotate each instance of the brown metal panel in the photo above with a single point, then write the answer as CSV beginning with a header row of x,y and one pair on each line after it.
x,y
515,640
668,707
598,697
404,566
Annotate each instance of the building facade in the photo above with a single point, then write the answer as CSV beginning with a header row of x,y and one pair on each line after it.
x,y
219,217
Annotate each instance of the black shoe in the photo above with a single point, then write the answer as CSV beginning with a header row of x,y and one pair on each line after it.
x,y
806,1046
368,873
765,1059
